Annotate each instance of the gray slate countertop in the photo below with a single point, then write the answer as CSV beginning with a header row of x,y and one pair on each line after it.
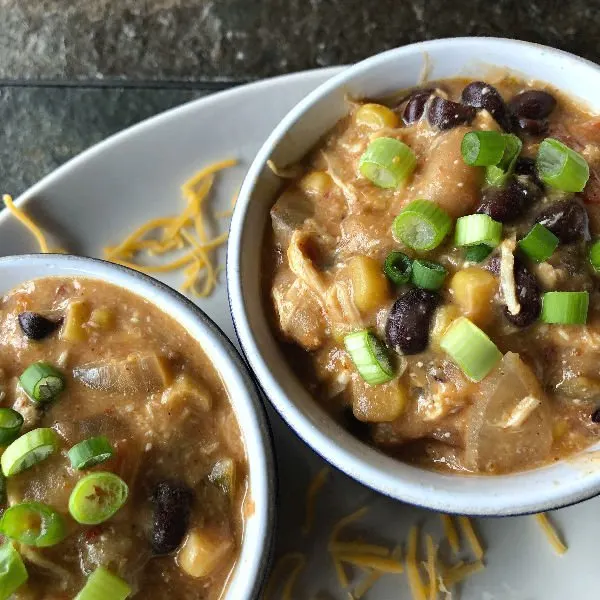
x,y
72,73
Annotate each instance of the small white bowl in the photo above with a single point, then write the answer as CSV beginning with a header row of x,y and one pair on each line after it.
x,y
531,491
252,563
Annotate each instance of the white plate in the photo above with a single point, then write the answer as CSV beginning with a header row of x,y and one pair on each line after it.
x,y
102,194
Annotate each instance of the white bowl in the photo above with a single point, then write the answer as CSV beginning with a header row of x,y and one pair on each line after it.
x,y
531,491
251,567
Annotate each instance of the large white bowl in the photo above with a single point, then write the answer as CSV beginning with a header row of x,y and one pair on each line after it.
x,y
251,567
536,490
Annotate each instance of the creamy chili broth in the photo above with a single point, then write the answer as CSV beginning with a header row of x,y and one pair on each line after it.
x,y
324,279
134,375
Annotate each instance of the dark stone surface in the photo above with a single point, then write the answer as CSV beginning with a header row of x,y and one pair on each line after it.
x,y
44,127
232,40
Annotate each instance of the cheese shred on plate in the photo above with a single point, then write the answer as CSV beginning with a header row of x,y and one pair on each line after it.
x,y
471,536
293,562
551,533
184,234
26,220
311,496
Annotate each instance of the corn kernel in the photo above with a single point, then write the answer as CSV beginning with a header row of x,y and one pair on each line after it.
x,y
369,285
443,318
102,318
559,429
376,116
473,289
73,330
202,552
378,404
317,183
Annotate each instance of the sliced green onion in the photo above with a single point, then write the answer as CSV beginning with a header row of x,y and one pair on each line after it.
x,y
370,357
397,267
42,382
34,524
565,308
561,167
387,162
104,585
13,573
28,450
477,229
539,244
594,255
482,148
90,452
421,225
428,275
97,497
498,174
10,424
477,253
470,348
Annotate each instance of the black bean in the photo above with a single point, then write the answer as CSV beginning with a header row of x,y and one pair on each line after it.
x,y
596,416
528,295
446,114
535,127
505,204
567,220
415,106
532,104
407,327
172,504
482,95
525,166
36,326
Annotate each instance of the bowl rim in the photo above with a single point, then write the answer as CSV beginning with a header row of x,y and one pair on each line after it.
x,y
345,452
261,545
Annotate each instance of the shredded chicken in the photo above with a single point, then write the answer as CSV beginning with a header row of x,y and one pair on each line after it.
x,y
51,567
341,307
290,172
347,188
507,277
303,267
522,411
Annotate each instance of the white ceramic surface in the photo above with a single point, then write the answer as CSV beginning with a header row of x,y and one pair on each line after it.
x,y
252,565
554,485
103,193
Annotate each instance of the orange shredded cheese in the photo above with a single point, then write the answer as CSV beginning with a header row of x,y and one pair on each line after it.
x,y
551,533
311,495
277,574
417,588
431,567
333,538
184,232
450,532
469,533
459,572
366,584
378,563
26,220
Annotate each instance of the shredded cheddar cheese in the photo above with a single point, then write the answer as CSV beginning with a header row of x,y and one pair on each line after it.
x,y
431,567
459,572
283,564
333,538
366,584
26,220
311,495
551,533
185,232
379,563
471,536
450,532
417,588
